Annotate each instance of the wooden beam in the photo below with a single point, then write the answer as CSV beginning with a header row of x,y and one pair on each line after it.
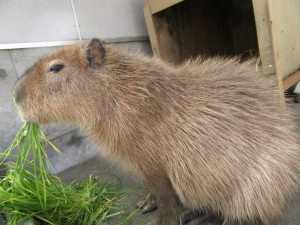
x,y
159,5
285,30
151,31
264,36
291,80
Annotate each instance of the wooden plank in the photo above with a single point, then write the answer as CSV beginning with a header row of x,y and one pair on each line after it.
x,y
159,5
285,29
151,31
264,36
291,80
167,36
240,20
192,28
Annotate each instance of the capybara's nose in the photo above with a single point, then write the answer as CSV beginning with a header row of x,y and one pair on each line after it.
x,y
19,93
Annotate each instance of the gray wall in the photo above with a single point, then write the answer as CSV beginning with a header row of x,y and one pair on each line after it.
x,y
49,21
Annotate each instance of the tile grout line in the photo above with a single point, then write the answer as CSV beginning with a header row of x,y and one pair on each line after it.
x,y
15,68
76,20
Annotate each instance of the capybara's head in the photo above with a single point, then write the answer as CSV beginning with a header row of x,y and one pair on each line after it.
x,y
59,87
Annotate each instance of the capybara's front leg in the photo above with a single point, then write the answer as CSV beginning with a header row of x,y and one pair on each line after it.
x,y
165,198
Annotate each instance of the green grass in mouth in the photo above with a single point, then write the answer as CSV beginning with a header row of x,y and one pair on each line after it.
x,y
28,192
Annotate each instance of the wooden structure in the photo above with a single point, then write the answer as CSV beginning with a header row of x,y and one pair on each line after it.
x,y
181,29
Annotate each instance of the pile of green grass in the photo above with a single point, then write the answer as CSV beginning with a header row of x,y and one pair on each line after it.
x,y
28,192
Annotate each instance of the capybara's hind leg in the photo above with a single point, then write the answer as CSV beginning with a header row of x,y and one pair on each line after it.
x,y
165,199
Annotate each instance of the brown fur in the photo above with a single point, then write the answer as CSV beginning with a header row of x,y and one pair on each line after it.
x,y
212,131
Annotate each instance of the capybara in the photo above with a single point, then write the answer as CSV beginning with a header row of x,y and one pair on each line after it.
x,y
213,133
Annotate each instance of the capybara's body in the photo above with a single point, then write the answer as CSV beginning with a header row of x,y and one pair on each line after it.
x,y
213,132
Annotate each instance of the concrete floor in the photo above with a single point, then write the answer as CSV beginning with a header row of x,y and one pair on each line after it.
x,y
110,173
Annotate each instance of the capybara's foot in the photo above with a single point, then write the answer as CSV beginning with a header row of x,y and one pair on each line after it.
x,y
189,215
149,207
170,221
148,204
199,218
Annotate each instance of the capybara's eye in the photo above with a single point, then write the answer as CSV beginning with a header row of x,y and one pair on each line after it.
x,y
55,68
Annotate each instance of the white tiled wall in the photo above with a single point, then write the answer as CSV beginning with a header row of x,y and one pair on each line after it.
x,y
54,20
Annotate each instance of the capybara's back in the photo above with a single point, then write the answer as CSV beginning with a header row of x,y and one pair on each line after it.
x,y
213,132
238,151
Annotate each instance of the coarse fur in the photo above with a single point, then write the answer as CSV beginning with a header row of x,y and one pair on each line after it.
x,y
212,132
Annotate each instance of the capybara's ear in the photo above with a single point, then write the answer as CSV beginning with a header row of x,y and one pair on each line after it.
x,y
94,52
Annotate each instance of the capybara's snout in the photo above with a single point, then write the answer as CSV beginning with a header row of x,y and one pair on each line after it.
x,y
19,92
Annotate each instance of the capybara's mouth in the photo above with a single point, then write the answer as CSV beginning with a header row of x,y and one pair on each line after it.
x,y
22,113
